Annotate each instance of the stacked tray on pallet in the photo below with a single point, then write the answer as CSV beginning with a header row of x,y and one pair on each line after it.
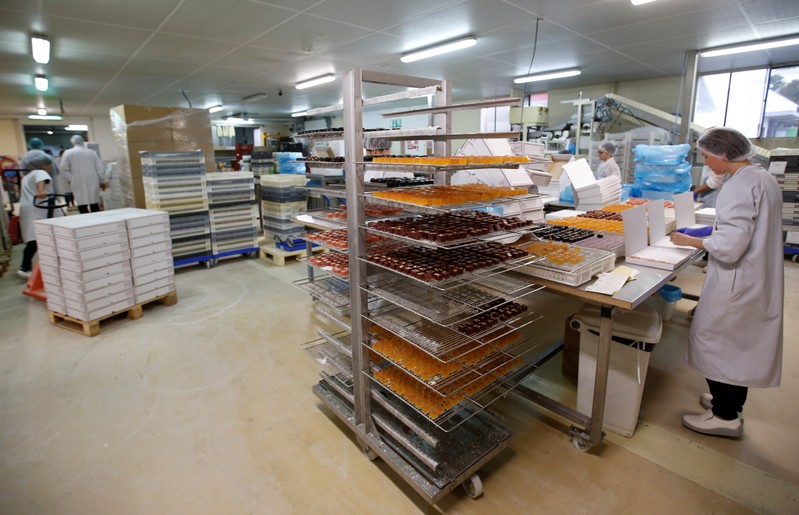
x,y
97,264
233,213
175,182
283,196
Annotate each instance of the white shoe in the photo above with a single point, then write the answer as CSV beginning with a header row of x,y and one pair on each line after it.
x,y
706,401
23,274
708,424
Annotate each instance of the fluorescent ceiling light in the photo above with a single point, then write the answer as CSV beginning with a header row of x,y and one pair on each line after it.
x,y
73,127
439,49
45,117
235,119
41,82
41,49
299,113
315,82
254,97
215,109
546,76
41,111
640,2
749,48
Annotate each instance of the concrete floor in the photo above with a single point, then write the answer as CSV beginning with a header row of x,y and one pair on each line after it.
x,y
205,407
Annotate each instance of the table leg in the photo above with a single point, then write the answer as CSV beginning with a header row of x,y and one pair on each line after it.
x,y
601,377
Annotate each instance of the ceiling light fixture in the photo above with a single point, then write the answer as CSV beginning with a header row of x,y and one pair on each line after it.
x,y
254,97
444,48
299,113
215,109
640,2
76,127
41,111
739,49
315,82
45,117
40,47
41,82
546,76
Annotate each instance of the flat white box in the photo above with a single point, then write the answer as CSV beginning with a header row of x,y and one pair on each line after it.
x,y
156,248
155,285
154,276
101,302
138,262
154,293
98,262
135,217
91,253
636,248
44,248
83,244
149,267
50,274
46,259
82,276
53,305
149,239
75,227
88,316
43,229
83,297
97,283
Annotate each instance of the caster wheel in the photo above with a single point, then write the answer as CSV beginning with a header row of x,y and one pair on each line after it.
x,y
580,444
252,255
473,486
276,238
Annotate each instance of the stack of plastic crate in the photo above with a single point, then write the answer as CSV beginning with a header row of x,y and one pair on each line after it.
x,y
233,213
283,196
175,182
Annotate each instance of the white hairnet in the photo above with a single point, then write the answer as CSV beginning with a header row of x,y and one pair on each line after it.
x,y
77,139
376,144
608,147
726,143
37,161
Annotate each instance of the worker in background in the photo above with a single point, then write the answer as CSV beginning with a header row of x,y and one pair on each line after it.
x,y
737,332
377,147
61,184
608,165
36,148
37,184
85,172
708,189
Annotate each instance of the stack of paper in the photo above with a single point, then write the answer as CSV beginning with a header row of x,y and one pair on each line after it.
x,y
706,216
591,194
660,253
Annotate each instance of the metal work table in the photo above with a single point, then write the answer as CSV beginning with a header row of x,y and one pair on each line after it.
x,y
631,295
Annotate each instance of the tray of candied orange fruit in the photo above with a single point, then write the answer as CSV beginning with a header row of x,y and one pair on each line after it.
x,y
567,264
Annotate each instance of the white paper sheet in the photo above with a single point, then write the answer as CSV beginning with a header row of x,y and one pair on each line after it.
x,y
607,283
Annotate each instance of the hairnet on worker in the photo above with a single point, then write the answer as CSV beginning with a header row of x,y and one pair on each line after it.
x,y
35,144
376,144
725,143
608,147
39,161
77,139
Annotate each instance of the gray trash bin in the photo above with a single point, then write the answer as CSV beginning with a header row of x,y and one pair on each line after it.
x,y
635,334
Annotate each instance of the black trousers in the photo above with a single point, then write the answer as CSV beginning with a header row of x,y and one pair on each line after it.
x,y
728,399
27,256
85,208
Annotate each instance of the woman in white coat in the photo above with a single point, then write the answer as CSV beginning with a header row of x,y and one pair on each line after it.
x,y
736,334
36,185
608,166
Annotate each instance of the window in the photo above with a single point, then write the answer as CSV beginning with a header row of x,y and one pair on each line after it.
x,y
761,103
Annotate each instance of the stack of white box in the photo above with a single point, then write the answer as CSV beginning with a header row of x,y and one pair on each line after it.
x,y
97,264
151,251
85,265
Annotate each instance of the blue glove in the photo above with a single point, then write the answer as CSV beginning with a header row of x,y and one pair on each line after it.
x,y
697,232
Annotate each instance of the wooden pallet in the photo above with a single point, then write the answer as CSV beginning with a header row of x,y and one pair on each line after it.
x,y
276,256
92,328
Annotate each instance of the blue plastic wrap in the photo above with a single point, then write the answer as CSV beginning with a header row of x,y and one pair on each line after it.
x,y
661,154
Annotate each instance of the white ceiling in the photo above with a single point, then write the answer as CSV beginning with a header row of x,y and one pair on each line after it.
x,y
111,52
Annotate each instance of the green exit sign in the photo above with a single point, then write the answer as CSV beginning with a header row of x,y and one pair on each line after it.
x,y
396,124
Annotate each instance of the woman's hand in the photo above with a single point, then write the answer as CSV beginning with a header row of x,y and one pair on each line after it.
x,y
684,240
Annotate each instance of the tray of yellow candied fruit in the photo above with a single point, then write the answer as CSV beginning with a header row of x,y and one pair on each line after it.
x,y
593,224
567,264
447,195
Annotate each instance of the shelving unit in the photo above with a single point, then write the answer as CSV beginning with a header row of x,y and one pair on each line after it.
x,y
426,419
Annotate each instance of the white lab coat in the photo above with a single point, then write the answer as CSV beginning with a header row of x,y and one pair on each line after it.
x,y
38,152
607,168
84,170
28,213
736,334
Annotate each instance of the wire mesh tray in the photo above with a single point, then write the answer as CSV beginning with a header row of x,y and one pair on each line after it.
x,y
332,360
431,168
422,208
332,291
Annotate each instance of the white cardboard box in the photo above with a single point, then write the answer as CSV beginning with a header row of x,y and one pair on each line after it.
x,y
98,262
636,247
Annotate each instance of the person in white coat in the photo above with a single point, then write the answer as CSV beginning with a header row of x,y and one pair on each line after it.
x,y
737,332
37,184
85,172
608,166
